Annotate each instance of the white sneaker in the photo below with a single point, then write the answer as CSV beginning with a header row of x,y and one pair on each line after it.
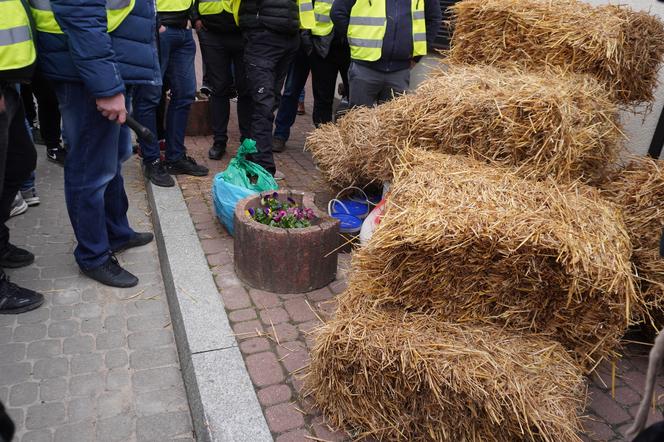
x,y
19,206
30,196
278,176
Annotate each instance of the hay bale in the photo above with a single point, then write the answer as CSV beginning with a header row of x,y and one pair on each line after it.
x,y
541,124
411,377
478,243
622,48
638,189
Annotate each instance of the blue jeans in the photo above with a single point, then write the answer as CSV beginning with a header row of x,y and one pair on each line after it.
x,y
294,89
30,182
176,53
94,189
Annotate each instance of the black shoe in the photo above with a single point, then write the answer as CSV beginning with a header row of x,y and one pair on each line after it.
x,y
12,257
278,145
157,174
140,239
15,299
57,155
110,273
186,166
217,151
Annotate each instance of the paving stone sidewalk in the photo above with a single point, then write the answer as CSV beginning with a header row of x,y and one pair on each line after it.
x,y
273,330
93,363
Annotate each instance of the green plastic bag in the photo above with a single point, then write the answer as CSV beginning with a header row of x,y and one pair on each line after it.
x,y
244,173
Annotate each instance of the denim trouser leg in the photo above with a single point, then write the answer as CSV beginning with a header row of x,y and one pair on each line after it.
x,y
94,189
294,89
181,77
176,51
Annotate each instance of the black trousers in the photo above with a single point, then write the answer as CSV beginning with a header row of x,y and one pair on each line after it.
x,y
267,57
48,111
18,157
223,56
324,79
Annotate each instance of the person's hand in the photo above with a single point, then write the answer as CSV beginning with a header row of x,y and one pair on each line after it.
x,y
162,28
198,25
3,108
113,108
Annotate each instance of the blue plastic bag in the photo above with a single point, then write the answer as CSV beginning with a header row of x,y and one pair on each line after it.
x,y
226,196
240,179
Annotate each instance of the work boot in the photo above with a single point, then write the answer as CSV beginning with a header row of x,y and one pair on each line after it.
x,y
278,145
157,174
15,299
56,154
12,257
300,108
217,151
19,206
111,274
186,166
138,240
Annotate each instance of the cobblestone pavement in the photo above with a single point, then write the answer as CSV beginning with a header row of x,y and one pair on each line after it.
x,y
93,363
273,330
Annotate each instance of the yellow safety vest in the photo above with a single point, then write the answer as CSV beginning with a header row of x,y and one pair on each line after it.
x,y
116,12
367,29
173,5
307,17
211,7
17,48
324,23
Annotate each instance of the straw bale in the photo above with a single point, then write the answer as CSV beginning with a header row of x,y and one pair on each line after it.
x,y
620,47
545,124
412,377
638,189
478,243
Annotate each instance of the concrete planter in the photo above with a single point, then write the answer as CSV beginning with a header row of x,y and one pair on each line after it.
x,y
285,260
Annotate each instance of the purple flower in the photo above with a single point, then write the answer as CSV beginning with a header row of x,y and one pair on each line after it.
x,y
252,212
275,195
266,210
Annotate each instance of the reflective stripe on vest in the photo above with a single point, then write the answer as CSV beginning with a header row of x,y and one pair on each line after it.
x,y
324,23
419,28
17,48
173,5
307,18
116,12
368,22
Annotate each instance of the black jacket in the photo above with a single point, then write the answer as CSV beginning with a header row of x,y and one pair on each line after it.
x,y
280,16
176,19
398,41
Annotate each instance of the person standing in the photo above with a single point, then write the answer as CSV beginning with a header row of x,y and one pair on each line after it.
x,y
328,56
177,51
18,156
94,52
272,38
222,48
386,38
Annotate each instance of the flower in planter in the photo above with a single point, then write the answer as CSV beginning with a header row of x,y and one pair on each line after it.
x,y
276,213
